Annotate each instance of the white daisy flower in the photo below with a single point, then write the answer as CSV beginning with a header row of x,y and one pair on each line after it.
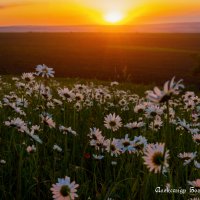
x,y
97,157
43,70
114,147
57,148
2,161
134,125
156,157
28,77
31,149
195,183
114,83
196,138
139,143
48,121
67,130
66,94
64,189
156,124
127,145
187,157
112,122
196,164
170,88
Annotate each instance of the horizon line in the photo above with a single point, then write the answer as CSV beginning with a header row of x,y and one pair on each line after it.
x,y
107,25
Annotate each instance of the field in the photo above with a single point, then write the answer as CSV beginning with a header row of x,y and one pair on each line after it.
x,y
95,126
136,57
114,143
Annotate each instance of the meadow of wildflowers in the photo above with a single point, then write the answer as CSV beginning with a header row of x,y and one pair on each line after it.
x,y
69,141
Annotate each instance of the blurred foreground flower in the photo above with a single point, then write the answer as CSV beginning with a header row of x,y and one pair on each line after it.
x,y
170,88
64,190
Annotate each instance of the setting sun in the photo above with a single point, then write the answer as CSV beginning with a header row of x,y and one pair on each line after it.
x,y
113,17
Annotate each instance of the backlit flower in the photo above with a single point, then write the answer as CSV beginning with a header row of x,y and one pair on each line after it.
x,y
170,88
43,70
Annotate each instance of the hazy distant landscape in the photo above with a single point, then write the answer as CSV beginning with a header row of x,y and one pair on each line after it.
x,y
140,58
191,27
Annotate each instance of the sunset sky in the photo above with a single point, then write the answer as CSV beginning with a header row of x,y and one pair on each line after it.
x,y
97,12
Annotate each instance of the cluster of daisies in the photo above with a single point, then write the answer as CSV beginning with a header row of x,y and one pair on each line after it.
x,y
119,135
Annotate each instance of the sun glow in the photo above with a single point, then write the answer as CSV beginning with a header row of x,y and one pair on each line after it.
x,y
104,12
113,17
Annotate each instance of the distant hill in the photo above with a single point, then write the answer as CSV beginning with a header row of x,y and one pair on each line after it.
x,y
193,27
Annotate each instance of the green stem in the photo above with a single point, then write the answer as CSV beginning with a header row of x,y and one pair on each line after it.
x,y
19,172
167,104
